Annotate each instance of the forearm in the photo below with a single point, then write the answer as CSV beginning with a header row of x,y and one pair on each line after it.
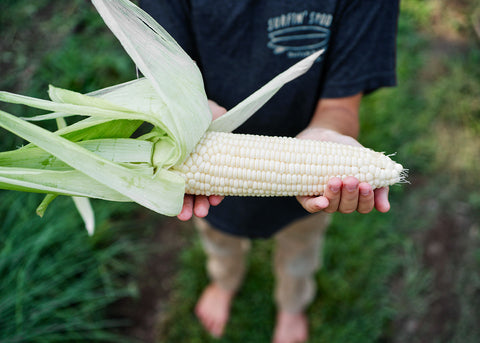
x,y
340,115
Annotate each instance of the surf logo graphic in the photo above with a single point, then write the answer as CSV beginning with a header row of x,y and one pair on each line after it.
x,y
299,34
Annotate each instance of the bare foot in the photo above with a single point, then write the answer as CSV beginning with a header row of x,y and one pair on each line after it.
x,y
291,328
213,309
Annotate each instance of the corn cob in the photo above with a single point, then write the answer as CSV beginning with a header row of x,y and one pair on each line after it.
x,y
251,165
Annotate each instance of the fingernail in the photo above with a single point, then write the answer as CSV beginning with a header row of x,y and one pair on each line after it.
x,y
334,189
351,188
365,192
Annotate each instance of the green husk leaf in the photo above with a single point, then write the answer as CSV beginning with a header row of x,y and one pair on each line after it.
x,y
58,182
83,205
93,128
170,71
83,105
144,103
70,109
61,123
44,204
121,150
64,96
161,192
85,209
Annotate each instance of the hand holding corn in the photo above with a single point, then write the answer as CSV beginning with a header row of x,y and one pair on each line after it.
x,y
347,195
344,194
199,205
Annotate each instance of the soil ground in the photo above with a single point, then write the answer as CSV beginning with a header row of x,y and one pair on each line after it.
x,y
155,281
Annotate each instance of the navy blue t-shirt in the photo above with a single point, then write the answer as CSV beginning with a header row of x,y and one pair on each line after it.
x,y
240,45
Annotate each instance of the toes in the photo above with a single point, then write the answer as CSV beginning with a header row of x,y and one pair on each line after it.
x,y
213,309
291,328
216,329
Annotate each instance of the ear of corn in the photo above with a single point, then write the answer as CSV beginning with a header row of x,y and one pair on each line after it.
x,y
249,165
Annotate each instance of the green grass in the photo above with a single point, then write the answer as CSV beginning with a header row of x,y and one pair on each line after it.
x,y
56,281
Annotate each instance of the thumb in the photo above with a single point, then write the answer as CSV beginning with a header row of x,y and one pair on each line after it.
x,y
313,204
216,109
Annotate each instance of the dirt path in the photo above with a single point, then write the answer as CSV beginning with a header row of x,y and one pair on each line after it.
x,y
155,282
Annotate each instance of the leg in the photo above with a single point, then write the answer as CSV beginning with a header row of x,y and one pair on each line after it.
x,y
297,258
226,269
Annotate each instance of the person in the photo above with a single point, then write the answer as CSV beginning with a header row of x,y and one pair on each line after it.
x,y
239,46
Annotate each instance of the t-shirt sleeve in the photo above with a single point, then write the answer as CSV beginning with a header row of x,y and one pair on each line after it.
x,y
362,52
174,16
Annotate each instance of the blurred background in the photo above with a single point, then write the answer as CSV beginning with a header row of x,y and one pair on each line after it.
x,y
412,275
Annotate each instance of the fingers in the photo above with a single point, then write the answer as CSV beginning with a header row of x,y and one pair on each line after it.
x,y
216,109
313,204
333,194
366,200
381,200
215,199
201,206
344,196
198,205
347,196
187,209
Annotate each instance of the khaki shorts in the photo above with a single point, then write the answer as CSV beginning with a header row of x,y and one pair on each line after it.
x,y
297,256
